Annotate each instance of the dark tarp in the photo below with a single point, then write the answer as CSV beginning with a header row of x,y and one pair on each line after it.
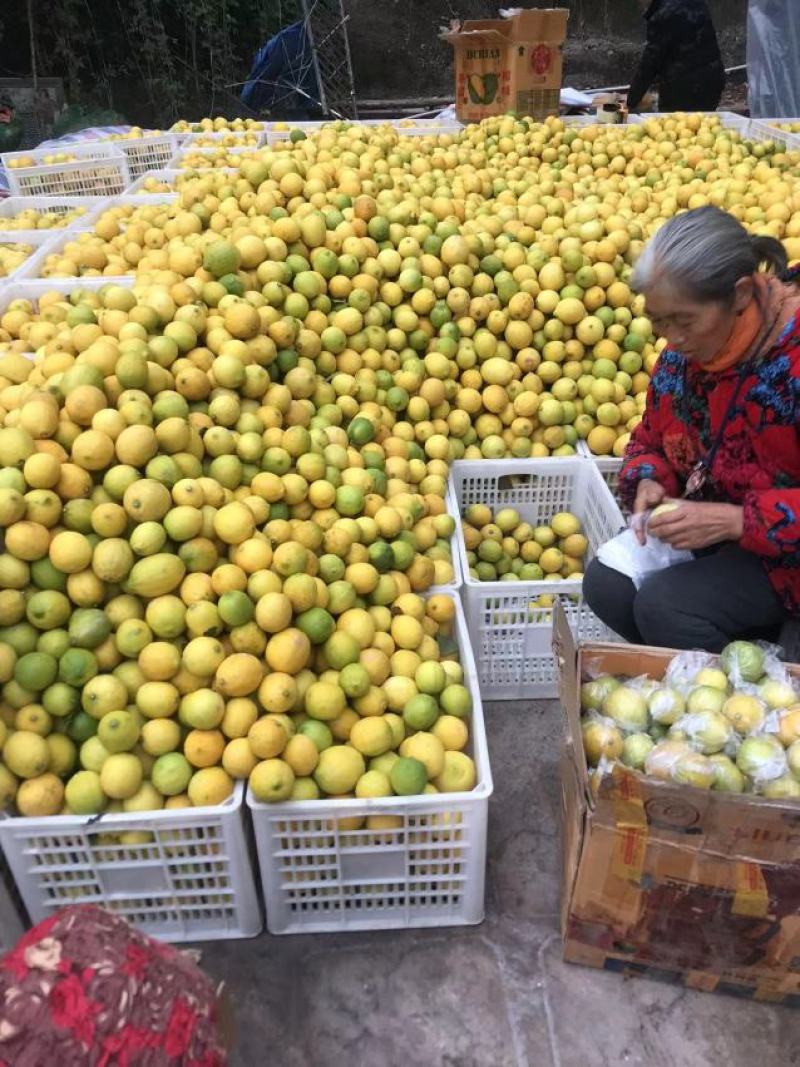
x,y
283,77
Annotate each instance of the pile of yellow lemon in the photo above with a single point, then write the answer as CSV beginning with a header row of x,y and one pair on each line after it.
x,y
223,484
38,219
13,256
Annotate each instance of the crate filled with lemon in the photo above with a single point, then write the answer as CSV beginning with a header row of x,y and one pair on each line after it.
x,y
372,815
93,168
528,530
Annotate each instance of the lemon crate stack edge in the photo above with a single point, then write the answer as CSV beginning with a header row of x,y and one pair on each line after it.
x,y
98,168
179,875
147,153
57,205
609,466
318,876
511,633
41,241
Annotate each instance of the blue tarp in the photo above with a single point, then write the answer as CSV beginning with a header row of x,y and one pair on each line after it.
x,y
283,73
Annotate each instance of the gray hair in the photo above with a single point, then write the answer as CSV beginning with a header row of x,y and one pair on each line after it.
x,y
703,253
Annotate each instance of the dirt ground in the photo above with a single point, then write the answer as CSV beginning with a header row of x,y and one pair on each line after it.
x,y
396,51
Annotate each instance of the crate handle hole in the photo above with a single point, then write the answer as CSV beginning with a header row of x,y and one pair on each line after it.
x,y
516,481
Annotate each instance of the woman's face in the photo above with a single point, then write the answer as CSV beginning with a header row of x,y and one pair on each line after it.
x,y
696,329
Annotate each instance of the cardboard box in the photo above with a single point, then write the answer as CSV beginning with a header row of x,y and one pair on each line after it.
x,y
690,885
509,64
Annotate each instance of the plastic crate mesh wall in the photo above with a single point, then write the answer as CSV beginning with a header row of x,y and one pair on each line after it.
x,y
416,873
94,178
147,154
178,879
514,643
539,497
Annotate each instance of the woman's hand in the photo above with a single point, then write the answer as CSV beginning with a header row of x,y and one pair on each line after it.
x,y
649,494
695,525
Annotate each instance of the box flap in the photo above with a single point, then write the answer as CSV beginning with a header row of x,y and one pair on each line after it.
x,y
472,28
569,683
540,24
573,823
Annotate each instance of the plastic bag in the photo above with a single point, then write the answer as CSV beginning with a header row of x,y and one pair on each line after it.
x,y
707,732
684,668
624,553
773,59
747,662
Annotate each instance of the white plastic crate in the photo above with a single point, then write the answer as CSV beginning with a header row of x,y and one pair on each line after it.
x,y
241,139
728,119
509,630
609,466
141,199
192,881
147,153
762,130
32,288
40,241
259,124
98,169
32,267
318,877
749,129
184,151
451,129
421,129
161,174
56,205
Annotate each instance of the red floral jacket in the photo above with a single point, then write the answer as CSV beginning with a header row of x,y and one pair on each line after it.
x,y
84,989
757,464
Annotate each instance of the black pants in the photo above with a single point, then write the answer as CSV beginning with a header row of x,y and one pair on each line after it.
x,y
692,96
701,604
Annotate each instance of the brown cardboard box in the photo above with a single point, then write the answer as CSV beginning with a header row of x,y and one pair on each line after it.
x,y
509,64
666,880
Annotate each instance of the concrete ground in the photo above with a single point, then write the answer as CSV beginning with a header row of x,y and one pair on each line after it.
x,y
495,995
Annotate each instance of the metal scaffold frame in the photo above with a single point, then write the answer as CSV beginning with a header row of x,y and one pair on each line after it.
x,y
326,25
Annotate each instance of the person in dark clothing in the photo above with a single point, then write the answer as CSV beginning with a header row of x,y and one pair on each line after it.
x,y
681,56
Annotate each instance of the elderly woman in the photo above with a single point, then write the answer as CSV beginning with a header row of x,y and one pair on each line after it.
x,y
719,437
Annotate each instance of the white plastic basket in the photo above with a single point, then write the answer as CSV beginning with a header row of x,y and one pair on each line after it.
x,y
32,288
32,267
141,200
318,878
609,466
421,129
56,205
511,632
728,119
259,124
242,139
147,153
162,174
192,881
177,161
98,169
761,130
40,241
749,129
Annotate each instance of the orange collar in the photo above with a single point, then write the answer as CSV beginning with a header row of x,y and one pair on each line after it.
x,y
746,329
